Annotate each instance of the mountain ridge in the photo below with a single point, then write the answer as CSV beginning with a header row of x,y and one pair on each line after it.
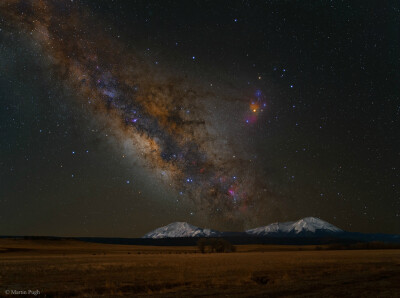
x,y
305,225
180,229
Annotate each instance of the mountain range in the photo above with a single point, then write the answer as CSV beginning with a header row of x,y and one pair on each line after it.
x,y
306,230
309,226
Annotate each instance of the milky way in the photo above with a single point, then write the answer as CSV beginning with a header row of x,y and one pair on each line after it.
x,y
166,119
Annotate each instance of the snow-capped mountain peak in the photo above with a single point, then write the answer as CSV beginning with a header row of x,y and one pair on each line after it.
x,y
313,224
180,229
304,225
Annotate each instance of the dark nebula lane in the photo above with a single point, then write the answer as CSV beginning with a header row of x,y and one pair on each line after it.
x,y
162,118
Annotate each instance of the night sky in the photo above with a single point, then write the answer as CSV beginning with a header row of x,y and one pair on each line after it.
x,y
118,117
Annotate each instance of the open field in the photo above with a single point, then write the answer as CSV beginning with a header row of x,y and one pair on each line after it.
x,y
69,267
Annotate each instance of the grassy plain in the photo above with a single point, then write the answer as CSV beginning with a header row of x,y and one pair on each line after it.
x,y
73,268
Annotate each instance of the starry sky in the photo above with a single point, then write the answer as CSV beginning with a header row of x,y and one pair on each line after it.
x,y
118,117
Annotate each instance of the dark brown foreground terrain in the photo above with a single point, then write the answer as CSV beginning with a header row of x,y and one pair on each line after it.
x,y
72,268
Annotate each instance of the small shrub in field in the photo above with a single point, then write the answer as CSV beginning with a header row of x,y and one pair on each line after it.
x,y
215,245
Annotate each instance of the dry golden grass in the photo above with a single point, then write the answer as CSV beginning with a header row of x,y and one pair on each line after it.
x,y
61,268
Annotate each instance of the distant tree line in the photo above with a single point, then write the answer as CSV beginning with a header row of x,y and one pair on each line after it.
x,y
210,245
361,245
